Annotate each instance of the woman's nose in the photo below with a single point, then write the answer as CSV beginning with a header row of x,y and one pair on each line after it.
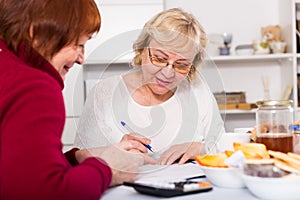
x,y
80,59
168,71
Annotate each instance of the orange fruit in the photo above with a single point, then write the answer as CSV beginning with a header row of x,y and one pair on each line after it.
x,y
252,150
228,152
212,160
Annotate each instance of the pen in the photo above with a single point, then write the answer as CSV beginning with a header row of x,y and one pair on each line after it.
x,y
188,161
130,130
196,177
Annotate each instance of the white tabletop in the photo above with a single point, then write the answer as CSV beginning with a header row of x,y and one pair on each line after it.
x,y
175,172
126,193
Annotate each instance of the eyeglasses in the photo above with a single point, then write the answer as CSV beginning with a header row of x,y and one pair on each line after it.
x,y
181,68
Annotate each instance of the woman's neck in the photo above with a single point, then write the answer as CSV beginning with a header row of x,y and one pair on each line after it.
x,y
142,93
146,97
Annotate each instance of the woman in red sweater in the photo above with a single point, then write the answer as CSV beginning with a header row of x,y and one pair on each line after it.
x,y
40,40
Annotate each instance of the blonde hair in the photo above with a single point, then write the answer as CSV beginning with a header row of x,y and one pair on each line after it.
x,y
174,29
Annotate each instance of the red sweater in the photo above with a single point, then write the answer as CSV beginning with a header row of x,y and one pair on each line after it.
x,y
32,118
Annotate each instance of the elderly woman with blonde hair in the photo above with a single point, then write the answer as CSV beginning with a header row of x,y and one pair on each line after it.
x,y
164,99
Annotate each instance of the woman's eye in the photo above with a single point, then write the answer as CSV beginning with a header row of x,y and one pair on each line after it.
x,y
181,65
80,48
160,59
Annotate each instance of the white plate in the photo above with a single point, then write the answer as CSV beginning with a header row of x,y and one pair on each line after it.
x,y
273,188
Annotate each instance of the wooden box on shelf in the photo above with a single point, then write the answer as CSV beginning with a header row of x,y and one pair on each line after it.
x,y
230,97
238,106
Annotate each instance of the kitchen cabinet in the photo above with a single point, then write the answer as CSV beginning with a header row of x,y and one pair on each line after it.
x,y
251,74
110,52
121,21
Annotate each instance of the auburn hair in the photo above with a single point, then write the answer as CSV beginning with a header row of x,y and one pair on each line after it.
x,y
47,25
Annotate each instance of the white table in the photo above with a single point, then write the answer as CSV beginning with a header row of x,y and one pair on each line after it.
x,y
124,193
175,172
128,193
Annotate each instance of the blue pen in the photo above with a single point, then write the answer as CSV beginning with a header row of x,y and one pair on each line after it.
x,y
130,130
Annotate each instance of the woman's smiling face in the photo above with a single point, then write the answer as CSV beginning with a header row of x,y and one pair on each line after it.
x,y
163,69
69,55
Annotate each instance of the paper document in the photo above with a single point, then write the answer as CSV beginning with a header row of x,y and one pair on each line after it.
x,y
168,172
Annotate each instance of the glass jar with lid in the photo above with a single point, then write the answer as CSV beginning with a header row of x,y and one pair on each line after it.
x,y
273,119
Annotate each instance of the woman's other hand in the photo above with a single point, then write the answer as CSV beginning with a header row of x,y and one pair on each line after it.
x,y
182,152
124,165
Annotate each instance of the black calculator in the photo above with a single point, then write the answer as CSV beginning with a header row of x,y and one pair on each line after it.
x,y
170,189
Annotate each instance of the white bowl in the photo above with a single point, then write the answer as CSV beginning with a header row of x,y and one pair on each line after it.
x,y
224,177
227,139
273,188
243,130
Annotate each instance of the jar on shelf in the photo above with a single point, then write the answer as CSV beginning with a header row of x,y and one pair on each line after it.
x,y
273,120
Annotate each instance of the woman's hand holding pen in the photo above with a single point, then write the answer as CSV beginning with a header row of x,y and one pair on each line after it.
x,y
137,143
182,152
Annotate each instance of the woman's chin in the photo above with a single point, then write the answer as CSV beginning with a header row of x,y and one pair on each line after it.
x,y
158,90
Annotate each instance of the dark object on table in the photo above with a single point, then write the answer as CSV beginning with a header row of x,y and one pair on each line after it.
x,y
171,189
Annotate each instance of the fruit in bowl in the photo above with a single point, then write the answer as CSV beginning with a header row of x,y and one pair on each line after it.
x,y
212,160
252,150
220,173
275,178
249,150
280,165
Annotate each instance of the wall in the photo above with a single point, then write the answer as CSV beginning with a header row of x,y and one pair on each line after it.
x,y
242,18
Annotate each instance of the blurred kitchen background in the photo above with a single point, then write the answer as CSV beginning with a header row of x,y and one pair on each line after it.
x,y
239,74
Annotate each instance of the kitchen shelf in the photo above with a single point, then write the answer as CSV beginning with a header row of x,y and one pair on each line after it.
x,y
127,59
107,62
253,57
238,111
